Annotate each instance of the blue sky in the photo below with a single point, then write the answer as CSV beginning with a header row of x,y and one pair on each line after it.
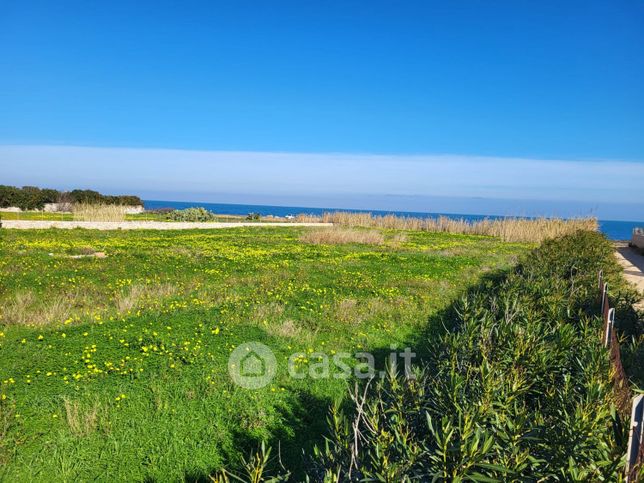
x,y
372,102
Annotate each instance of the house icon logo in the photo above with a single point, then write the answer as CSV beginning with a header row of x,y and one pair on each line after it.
x,y
252,365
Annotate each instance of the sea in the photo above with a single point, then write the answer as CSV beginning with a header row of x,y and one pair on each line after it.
x,y
615,230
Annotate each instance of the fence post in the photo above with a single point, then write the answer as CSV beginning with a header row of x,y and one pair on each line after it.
x,y
635,438
604,294
610,323
635,451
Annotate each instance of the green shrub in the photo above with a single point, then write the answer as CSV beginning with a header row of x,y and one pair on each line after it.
x,y
517,386
191,214
33,198
27,197
253,217
94,197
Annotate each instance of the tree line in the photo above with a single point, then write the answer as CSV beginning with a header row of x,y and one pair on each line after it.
x,y
34,198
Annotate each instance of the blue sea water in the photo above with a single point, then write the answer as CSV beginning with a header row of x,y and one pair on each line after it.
x,y
615,230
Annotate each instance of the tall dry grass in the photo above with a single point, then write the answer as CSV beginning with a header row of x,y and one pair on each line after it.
x,y
24,309
82,421
140,294
530,230
98,212
342,236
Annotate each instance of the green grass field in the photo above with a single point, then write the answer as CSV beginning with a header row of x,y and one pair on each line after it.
x,y
118,366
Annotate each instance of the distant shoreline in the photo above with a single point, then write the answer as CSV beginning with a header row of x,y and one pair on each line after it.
x,y
614,229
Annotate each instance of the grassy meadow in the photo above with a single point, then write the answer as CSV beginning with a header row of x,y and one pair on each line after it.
x,y
113,214
521,230
115,367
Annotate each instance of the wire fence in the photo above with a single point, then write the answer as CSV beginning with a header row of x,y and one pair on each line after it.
x,y
623,396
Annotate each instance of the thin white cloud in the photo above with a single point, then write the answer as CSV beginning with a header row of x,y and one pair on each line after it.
x,y
274,173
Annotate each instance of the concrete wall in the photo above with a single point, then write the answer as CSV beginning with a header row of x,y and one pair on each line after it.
x,y
638,240
67,207
56,207
134,210
143,225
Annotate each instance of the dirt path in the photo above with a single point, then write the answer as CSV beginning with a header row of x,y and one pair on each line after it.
x,y
633,264
139,225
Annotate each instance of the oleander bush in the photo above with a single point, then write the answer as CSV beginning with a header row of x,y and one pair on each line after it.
x,y
191,214
516,388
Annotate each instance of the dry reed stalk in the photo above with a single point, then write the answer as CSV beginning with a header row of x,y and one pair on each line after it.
x,y
341,236
98,212
527,230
